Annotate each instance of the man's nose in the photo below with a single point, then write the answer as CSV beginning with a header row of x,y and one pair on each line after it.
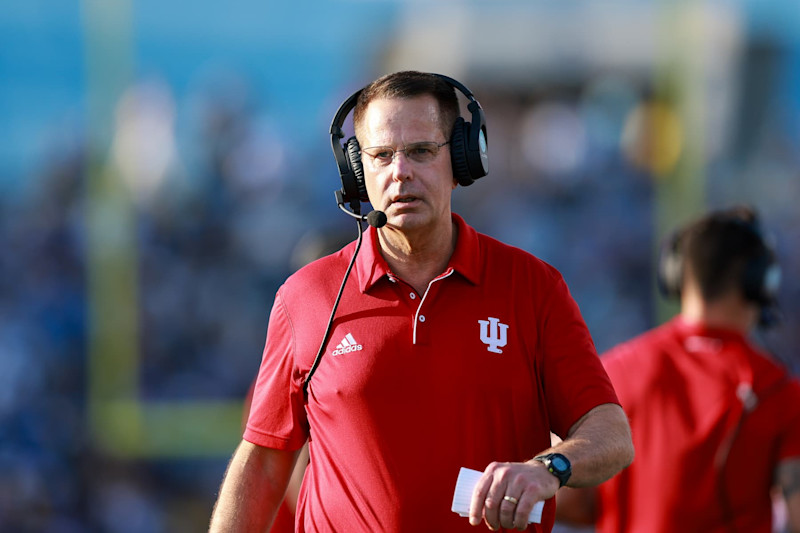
x,y
401,166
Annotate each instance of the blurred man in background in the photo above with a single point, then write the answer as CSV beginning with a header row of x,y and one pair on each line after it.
x,y
715,421
454,350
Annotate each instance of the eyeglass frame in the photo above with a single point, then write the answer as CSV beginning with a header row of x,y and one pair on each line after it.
x,y
404,149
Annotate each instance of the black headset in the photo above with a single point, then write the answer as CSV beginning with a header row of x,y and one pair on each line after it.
x,y
760,279
468,149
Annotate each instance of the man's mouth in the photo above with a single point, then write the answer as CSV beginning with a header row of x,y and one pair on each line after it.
x,y
404,199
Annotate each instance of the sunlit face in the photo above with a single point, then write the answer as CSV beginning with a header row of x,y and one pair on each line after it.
x,y
414,194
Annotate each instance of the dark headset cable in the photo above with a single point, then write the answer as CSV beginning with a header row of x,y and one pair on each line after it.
x,y
326,336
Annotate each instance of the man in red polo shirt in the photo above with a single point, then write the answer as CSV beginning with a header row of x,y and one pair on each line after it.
x,y
715,421
449,349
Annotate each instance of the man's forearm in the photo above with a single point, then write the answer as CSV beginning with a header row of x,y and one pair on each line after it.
x,y
253,488
598,446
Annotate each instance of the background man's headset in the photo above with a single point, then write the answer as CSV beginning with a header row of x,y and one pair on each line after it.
x,y
468,154
761,275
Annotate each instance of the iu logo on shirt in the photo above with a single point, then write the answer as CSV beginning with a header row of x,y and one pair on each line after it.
x,y
494,334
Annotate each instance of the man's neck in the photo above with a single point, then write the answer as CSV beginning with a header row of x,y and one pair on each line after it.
x,y
729,312
418,258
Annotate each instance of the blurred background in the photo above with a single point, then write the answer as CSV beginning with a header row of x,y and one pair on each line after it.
x,y
165,166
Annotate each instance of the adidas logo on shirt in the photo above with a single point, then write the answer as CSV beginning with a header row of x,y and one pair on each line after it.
x,y
347,345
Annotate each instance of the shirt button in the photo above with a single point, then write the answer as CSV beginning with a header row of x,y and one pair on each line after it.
x,y
422,318
412,296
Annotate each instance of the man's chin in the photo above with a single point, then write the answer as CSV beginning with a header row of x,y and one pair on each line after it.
x,y
406,220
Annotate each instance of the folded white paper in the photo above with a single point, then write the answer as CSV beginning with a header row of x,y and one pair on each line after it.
x,y
467,478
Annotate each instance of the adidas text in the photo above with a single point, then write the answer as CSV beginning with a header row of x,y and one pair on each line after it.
x,y
348,344
347,349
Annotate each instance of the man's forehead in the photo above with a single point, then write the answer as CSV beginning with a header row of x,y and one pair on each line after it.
x,y
387,116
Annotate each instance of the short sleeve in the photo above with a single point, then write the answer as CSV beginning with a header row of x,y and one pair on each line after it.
x,y
574,379
277,415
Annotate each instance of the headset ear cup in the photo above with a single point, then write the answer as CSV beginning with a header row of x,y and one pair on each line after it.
x,y
670,268
753,280
762,277
354,155
458,153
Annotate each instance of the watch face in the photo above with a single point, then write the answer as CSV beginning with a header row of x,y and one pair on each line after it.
x,y
558,463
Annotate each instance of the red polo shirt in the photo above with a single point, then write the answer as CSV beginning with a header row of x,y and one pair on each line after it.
x,y
479,368
697,467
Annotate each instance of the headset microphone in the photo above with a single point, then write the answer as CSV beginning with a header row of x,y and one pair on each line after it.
x,y
376,219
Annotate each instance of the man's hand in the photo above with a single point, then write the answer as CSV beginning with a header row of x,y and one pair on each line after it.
x,y
598,446
506,493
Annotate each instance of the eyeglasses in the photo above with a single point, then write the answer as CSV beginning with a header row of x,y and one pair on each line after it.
x,y
423,152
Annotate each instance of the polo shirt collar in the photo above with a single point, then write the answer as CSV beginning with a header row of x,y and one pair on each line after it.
x,y
701,329
371,266
466,259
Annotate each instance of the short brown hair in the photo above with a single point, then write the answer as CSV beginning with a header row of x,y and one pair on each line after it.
x,y
409,84
718,247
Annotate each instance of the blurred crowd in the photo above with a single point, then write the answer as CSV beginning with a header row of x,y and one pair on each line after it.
x,y
225,209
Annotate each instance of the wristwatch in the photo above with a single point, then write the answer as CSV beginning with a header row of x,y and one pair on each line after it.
x,y
558,465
